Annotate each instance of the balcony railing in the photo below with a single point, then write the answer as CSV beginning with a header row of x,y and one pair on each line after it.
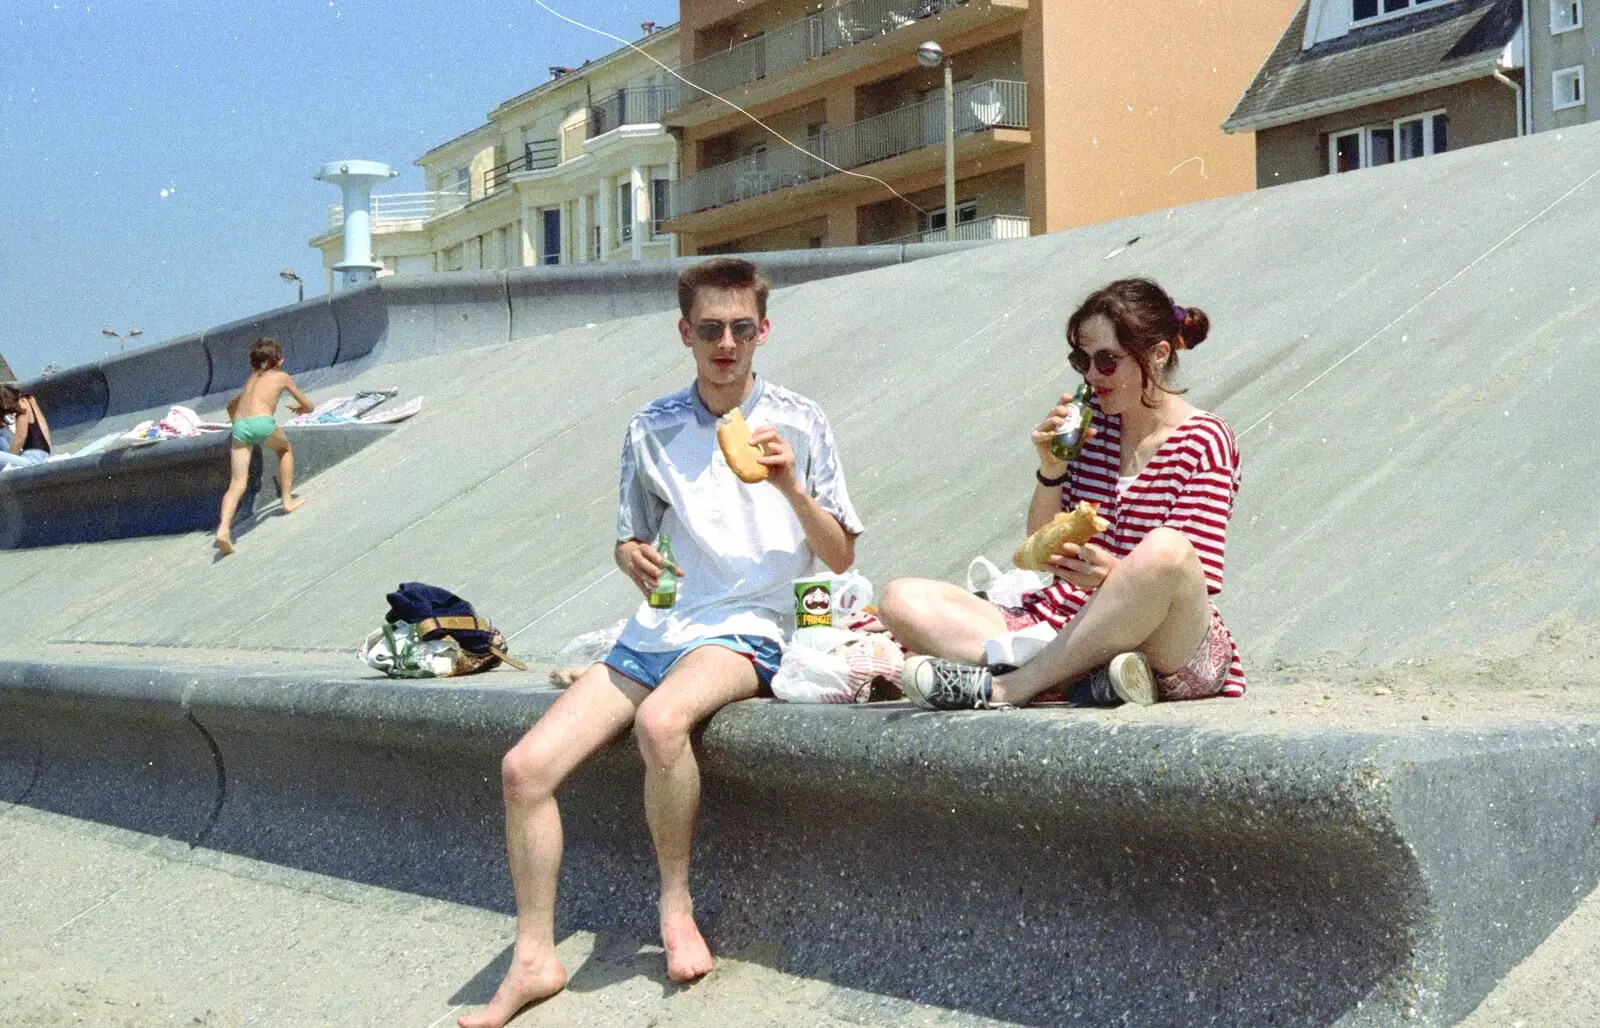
x,y
636,105
996,226
401,212
996,103
791,45
536,156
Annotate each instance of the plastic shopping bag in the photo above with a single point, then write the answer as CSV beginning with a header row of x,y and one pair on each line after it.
x,y
1005,588
831,665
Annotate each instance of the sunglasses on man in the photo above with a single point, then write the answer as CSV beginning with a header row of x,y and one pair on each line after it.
x,y
1105,361
744,330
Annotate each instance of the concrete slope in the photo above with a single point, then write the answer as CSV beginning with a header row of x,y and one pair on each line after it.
x,y
1404,353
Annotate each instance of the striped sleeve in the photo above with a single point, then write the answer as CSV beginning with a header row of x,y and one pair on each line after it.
x,y
1203,494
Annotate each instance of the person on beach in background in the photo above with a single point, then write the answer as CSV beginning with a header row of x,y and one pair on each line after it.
x,y
1133,605
30,434
736,547
254,416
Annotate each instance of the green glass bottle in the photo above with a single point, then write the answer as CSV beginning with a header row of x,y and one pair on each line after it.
x,y
1070,437
665,594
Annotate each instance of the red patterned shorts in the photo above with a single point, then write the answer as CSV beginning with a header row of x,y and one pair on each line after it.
x,y
1204,675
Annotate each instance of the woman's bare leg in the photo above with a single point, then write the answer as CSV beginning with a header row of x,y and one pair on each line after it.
x,y
940,619
1154,601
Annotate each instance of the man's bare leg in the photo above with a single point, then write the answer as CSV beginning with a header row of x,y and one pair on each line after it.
x,y
595,710
704,681
280,445
940,619
1154,601
239,479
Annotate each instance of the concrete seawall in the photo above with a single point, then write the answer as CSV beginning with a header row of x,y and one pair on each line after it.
x,y
1029,866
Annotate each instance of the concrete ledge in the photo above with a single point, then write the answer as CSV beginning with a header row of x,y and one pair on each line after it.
x,y
76,396
151,376
169,487
401,318
307,331
1035,866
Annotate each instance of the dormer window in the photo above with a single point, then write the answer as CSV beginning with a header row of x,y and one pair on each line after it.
x,y
1369,10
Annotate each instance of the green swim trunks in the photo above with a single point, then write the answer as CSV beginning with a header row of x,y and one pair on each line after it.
x,y
254,431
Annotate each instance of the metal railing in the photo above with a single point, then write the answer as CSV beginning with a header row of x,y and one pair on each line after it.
x,y
536,156
791,45
997,103
402,212
996,226
636,105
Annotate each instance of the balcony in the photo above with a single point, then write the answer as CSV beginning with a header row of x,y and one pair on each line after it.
x,y
637,105
982,111
536,156
401,212
764,68
996,226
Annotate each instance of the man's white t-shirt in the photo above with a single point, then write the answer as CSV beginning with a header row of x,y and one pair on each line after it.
x,y
739,545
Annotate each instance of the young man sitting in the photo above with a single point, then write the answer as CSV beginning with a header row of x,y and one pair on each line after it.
x,y
737,548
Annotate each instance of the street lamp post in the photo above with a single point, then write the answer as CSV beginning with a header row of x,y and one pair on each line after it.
x,y
931,55
288,275
133,333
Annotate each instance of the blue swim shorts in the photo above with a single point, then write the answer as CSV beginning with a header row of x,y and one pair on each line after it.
x,y
648,669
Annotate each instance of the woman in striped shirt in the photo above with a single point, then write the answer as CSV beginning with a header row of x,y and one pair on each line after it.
x,y
1133,606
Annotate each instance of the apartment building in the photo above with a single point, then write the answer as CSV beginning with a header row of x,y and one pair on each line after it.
x,y
1066,111
577,169
1356,84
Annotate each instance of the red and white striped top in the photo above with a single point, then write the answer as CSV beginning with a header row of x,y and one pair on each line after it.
x,y
1189,485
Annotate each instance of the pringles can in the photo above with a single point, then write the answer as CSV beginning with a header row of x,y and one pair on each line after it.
x,y
813,602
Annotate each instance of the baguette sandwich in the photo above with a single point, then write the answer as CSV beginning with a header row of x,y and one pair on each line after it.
x,y
1076,526
733,436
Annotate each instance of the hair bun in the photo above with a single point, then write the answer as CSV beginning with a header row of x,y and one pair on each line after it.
x,y
1196,326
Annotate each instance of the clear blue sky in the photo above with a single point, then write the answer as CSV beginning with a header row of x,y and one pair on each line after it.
x,y
156,156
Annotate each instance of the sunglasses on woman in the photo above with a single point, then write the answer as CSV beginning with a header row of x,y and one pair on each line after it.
x,y
1105,361
743,330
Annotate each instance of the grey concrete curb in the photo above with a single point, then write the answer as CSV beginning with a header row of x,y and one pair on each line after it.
x,y
1035,866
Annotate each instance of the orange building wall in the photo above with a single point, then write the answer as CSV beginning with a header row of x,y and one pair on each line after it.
x,y
1131,99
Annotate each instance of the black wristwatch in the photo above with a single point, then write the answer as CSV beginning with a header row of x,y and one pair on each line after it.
x,y
1052,481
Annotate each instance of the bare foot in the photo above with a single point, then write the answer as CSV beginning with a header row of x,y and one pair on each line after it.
x,y
291,505
525,983
224,544
688,956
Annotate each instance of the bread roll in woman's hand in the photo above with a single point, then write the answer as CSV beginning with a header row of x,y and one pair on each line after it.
x,y
1076,526
733,435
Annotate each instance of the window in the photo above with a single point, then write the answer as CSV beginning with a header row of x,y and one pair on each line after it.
x,y
463,180
1565,15
966,210
660,203
1368,10
1566,86
625,213
1418,136
594,242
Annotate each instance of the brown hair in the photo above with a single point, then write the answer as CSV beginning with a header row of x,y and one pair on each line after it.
x,y
721,273
1142,315
264,353
11,399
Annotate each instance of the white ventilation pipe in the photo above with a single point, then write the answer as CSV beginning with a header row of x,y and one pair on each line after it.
x,y
356,179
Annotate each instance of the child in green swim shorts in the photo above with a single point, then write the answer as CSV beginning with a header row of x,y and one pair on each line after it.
x,y
255,424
